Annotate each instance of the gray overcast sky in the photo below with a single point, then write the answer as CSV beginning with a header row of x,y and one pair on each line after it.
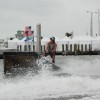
x,y
56,16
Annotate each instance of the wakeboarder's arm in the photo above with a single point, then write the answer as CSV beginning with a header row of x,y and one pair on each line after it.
x,y
46,50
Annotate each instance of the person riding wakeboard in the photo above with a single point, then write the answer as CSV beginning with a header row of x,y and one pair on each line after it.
x,y
51,49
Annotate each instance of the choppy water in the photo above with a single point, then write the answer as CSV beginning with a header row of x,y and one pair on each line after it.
x,y
82,84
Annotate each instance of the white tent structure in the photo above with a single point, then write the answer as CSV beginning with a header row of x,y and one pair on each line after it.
x,y
16,42
65,40
82,38
44,41
13,43
96,44
57,39
79,40
97,38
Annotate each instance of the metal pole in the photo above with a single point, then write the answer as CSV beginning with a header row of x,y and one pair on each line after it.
x,y
98,22
38,46
33,36
33,42
91,24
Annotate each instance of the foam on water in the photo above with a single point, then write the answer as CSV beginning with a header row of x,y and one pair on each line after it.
x,y
47,85
81,65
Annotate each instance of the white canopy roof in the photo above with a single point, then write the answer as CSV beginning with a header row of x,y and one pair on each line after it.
x,y
82,38
45,39
66,39
57,39
97,38
14,40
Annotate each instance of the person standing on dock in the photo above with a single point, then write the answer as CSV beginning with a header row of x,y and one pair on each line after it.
x,y
51,49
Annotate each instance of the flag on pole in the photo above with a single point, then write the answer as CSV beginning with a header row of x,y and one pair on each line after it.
x,y
26,40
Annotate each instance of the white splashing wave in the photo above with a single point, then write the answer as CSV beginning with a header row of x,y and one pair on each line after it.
x,y
48,86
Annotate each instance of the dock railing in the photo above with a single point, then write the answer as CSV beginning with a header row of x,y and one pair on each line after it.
x,y
66,49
